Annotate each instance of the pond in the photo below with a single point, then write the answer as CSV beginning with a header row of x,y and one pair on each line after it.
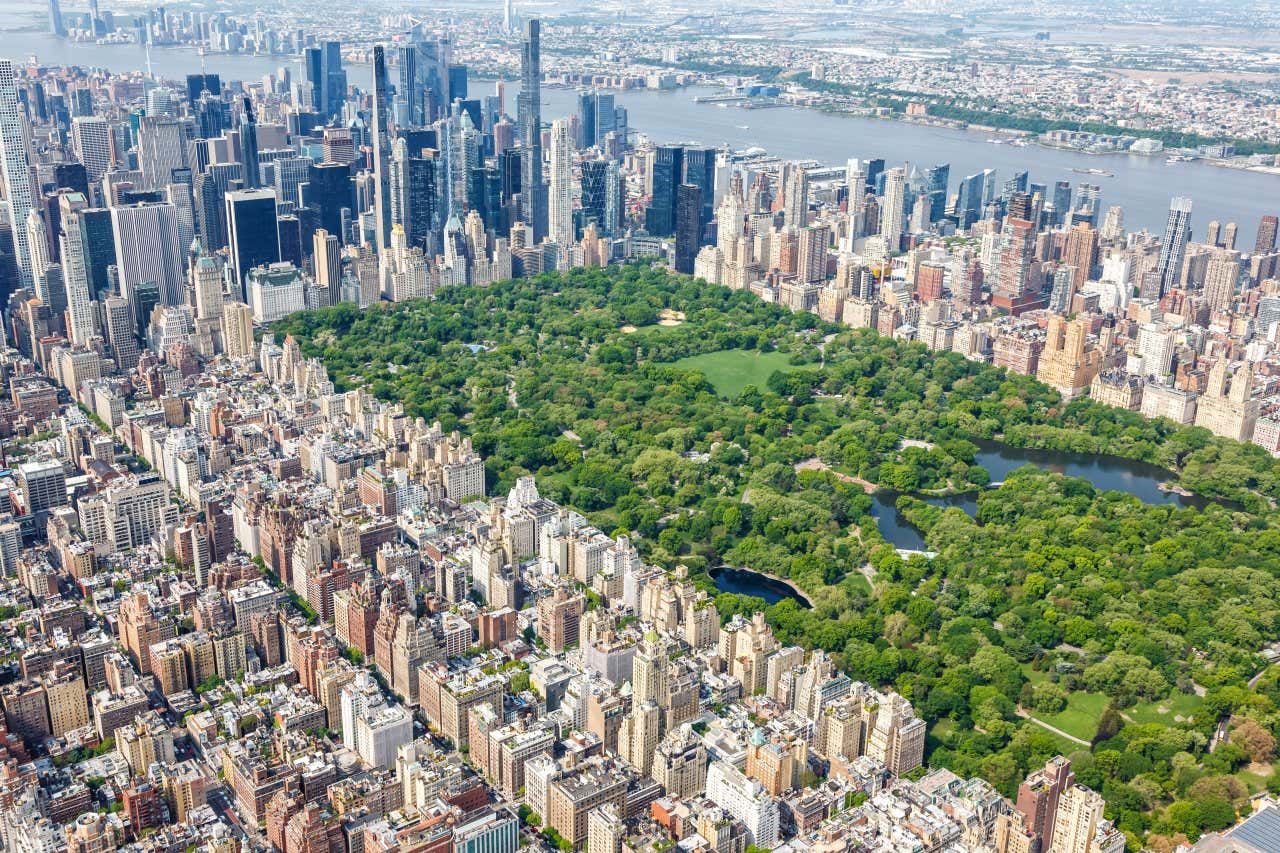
x,y
747,582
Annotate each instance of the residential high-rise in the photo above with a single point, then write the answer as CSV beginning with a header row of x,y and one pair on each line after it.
x,y
1221,276
75,277
1081,253
15,167
249,146
1177,233
688,226
381,151
1038,797
237,329
893,214
148,250
327,261
1076,821
560,191
1266,242
251,231
529,120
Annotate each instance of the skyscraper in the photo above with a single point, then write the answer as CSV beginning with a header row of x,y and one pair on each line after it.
x,y
199,83
251,231
329,192
148,251
249,146
893,215
529,118
162,148
91,139
75,266
15,168
1177,233
665,174
381,151
700,170
595,175
327,259
688,227
1266,242
560,200
795,197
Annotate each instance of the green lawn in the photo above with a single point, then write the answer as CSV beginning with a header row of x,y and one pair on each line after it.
x,y
1081,716
731,370
1165,711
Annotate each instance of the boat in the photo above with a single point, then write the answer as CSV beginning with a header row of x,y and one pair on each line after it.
x,y
1102,173
743,126
1178,158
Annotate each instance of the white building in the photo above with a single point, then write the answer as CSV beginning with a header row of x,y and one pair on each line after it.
x,y
745,799
276,291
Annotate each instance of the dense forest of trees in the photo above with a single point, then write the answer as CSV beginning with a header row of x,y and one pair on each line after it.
x,y
1054,592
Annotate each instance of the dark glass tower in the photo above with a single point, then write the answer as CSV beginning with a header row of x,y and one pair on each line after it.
x,y
700,170
668,171
381,150
688,229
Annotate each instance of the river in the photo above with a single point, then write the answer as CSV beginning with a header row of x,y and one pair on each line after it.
x,y
1142,185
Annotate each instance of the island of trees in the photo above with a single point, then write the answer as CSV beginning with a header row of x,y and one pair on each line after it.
x,y
1058,619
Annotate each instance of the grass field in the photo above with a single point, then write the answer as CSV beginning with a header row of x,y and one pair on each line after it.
x,y
732,370
1083,709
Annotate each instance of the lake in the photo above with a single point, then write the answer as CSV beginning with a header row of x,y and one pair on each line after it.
x,y
1142,185
1106,473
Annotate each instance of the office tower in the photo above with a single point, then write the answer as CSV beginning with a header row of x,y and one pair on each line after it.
x,y
162,148
1061,202
1266,242
668,166
608,118
38,244
508,15
969,200
615,201
529,120
148,251
334,79
100,245
251,231
44,485
327,260
586,119
381,151
56,26
249,146
700,170
688,227
75,266
329,192
413,195
456,80
594,177
560,193
198,84
893,214
15,168
1177,233
91,140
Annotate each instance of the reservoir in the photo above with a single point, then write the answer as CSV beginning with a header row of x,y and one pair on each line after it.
x,y
1142,185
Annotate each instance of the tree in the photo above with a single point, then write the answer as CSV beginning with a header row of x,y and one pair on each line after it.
x,y
1109,725
1258,743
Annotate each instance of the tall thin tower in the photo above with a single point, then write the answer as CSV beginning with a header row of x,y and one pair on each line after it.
x,y
1177,233
560,203
508,15
381,151
529,119
15,167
